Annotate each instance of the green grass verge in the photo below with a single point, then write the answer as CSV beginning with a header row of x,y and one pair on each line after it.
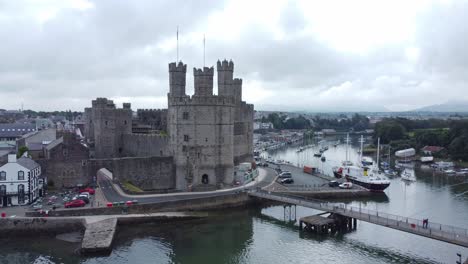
x,y
129,186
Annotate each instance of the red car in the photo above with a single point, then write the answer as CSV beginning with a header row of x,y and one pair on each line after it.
x,y
75,203
90,190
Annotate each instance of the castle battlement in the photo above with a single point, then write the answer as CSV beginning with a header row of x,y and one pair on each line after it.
x,y
150,110
180,67
206,71
225,65
202,100
103,102
237,81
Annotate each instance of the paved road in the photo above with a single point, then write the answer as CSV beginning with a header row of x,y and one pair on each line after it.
x,y
301,178
113,196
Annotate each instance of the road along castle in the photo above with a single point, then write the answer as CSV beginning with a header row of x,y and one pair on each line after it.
x,y
194,144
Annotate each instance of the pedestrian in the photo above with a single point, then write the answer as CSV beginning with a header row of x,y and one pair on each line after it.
x,y
427,222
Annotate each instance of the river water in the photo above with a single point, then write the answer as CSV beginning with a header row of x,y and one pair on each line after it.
x,y
260,235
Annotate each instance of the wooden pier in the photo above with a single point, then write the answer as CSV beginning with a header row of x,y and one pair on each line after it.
x,y
324,225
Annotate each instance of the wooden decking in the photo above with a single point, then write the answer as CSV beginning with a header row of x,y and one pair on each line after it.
x,y
449,234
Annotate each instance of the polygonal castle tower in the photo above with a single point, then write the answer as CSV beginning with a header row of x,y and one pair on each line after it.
x,y
208,133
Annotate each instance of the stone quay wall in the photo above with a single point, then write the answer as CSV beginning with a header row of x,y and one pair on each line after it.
x,y
39,225
197,204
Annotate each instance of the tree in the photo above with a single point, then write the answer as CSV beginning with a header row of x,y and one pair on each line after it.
x,y
21,151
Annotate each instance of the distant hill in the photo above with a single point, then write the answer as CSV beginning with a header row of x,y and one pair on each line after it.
x,y
453,106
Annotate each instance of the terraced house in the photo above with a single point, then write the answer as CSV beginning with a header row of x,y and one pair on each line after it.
x,y
20,181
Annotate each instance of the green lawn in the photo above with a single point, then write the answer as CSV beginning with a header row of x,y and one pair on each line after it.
x,y
129,186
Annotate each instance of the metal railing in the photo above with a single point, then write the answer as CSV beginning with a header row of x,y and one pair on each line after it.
x,y
434,230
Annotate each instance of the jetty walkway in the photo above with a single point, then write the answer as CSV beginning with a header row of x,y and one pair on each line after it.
x,y
446,233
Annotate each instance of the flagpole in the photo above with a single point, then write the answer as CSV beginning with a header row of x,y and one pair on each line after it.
x,y
204,50
177,45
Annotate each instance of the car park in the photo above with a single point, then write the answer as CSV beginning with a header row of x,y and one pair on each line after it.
x,y
287,181
75,203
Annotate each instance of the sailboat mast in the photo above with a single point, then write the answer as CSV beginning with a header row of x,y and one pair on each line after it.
x,y
362,142
378,151
347,142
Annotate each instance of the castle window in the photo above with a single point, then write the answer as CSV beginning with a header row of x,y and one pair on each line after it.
x,y
185,115
106,123
186,138
125,122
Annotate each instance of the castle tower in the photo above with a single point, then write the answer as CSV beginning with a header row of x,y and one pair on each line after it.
x,y
225,73
177,74
236,89
203,81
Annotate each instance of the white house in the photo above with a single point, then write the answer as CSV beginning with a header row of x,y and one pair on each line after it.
x,y
20,181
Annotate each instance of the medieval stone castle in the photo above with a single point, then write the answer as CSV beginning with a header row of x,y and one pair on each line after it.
x,y
195,143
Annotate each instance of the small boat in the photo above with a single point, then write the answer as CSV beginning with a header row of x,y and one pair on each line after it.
x,y
317,154
427,159
390,173
347,163
323,159
366,177
449,172
407,176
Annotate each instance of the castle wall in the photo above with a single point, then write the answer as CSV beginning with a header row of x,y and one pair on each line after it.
x,y
148,173
156,118
144,145
109,124
203,142
243,133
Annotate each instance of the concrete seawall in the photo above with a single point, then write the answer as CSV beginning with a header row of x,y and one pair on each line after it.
x,y
27,226
192,204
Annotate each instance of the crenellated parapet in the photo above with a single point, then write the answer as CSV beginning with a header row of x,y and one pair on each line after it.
x,y
225,72
177,75
102,102
202,100
203,81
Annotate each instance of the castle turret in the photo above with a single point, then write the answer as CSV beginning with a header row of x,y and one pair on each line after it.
x,y
177,74
236,88
225,73
203,80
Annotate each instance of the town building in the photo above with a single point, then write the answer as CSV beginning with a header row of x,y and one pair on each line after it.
x,y
20,181
13,131
431,150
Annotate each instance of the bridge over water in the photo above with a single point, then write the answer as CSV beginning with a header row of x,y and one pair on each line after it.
x,y
446,233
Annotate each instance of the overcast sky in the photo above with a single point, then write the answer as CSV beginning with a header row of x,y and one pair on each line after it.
x,y
305,55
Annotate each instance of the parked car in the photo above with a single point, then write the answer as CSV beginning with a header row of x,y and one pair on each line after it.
x,y
346,185
88,190
287,181
75,203
85,194
285,174
84,198
333,184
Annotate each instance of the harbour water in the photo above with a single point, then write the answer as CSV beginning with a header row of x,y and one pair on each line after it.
x,y
260,235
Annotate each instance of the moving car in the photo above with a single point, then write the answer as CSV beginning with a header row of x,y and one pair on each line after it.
x,y
75,203
285,174
346,185
287,181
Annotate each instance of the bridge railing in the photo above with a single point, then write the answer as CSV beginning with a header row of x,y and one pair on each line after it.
x,y
447,231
